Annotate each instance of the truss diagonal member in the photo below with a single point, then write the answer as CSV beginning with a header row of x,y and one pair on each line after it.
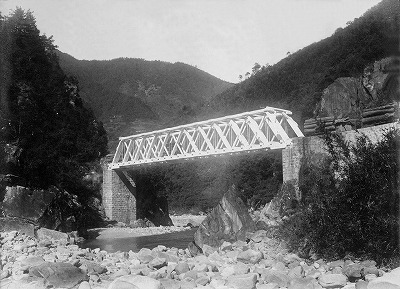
x,y
128,151
222,136
163,147
277,128
150,147
238,133
143,149
177,145
241,123
155,148
190,139
293,125
138,153
206,139
257,131
118,153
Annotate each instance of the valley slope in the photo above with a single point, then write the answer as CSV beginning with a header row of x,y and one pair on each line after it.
x,y
134,95
297,82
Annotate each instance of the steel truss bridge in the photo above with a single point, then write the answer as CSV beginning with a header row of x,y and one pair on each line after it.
x,y
263,129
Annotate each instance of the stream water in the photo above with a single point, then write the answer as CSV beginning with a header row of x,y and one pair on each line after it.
x,y
178,240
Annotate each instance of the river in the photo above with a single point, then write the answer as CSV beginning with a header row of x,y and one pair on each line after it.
x,y
178,240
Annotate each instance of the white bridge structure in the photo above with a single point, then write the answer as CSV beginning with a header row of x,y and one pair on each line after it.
x,y
124,192
263,129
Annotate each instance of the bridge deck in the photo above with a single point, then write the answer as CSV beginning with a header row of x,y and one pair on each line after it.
x,y
267,128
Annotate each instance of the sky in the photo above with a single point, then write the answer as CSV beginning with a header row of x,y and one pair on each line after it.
x,y
222,37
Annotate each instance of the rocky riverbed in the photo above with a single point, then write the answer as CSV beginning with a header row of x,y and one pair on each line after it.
x,y
181,223
261,262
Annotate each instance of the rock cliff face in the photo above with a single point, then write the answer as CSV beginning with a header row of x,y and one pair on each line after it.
x,y
350,103
343,98
25,203
23,209
349,96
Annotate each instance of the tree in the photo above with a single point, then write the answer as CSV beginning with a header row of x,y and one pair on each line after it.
x,y
256,68
350,201
49,136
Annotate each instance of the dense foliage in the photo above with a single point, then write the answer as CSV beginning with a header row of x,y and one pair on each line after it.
x,y
199,185
48,136
296,82
350,200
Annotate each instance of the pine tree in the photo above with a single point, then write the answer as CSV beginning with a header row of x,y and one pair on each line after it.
x,y
49,136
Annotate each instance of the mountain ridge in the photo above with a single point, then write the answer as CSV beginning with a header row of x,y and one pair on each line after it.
x,y
131,95
297,82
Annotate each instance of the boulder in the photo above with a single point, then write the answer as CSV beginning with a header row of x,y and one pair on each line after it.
x,y
332,280
16,224
277,277
47,234
245,281
268,286
296,272
194,249
158,263
60,274
133,282
60,214
250,256
90,267
25,282
32,261
182,268
241,268
25,203
228,221
84,285
169,283
303,283
353,272
361,284
389,280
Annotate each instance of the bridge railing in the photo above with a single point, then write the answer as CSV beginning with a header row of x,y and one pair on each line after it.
x,y
267,128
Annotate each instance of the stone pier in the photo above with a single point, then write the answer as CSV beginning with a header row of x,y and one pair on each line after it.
x,y
119,196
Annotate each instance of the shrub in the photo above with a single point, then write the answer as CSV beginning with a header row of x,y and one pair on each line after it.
x,y
350,200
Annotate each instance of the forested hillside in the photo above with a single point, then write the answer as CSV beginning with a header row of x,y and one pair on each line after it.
x,y
48,138
131,95
297,82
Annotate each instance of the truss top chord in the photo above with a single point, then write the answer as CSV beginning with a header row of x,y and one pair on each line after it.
x,y
259,112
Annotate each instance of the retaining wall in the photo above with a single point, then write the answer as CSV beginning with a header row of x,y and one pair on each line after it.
x,y
307,146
